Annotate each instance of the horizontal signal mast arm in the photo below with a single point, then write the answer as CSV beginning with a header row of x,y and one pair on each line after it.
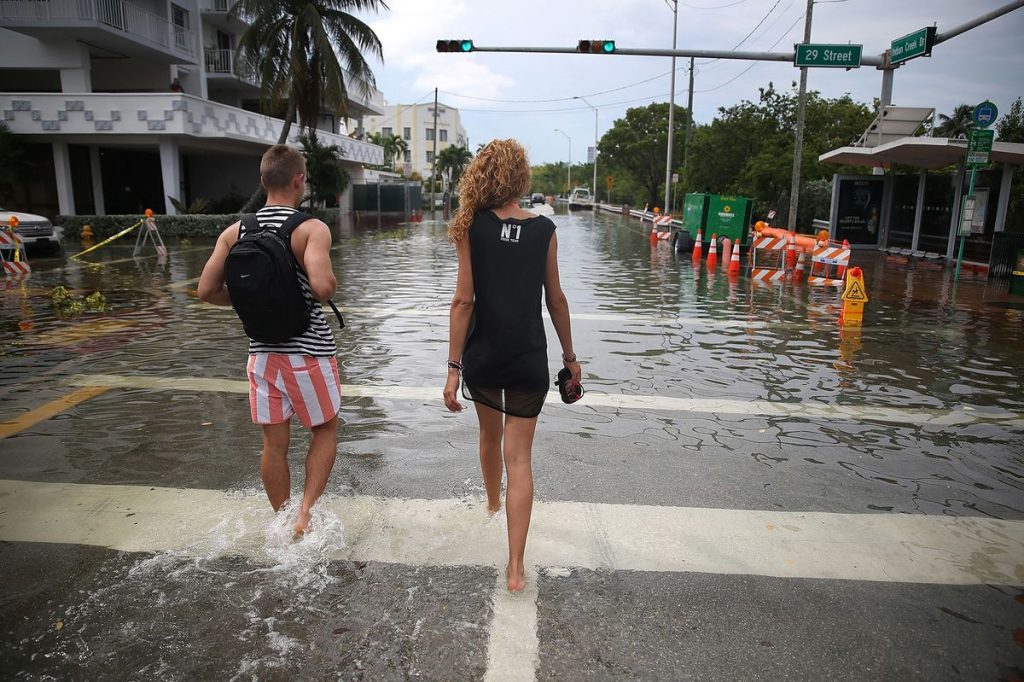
x,y
648,52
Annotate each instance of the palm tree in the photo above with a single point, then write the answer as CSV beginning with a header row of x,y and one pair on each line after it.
x,y
327,177
957,125
300,51
399,147
451,161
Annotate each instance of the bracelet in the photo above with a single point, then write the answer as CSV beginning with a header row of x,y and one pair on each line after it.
x,y
568,359
455,364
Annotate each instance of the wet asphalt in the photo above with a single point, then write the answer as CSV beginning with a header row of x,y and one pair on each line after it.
x,y
649,325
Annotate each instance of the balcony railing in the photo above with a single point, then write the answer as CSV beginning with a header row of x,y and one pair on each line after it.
x,y
116,14
223,61
217,5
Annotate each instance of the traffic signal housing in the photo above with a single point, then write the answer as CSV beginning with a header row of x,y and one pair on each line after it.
x,y
596,46
461,45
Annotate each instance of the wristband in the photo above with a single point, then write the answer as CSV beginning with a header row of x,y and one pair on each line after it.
x,y
570,358
455,364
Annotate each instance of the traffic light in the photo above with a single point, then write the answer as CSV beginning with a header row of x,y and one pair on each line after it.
x,y
462,45
596,46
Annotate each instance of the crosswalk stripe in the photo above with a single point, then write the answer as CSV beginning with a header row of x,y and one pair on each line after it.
x,y
899,548
718,406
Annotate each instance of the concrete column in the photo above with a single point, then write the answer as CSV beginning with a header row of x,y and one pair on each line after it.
x,y
1004,197
97,181
62,171
78,79
955,222
919,209
170,170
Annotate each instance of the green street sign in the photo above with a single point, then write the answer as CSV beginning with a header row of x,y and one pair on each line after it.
x,y
832,56
979,146
916,44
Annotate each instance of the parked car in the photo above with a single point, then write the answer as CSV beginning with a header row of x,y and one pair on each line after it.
x,y
36,232
537,198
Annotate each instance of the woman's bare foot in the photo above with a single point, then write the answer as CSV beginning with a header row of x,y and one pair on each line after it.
x,y
516,578
301,525
493,509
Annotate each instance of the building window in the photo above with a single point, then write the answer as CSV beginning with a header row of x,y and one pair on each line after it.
x,y
407,133
179,17
385,132
408,155
430,134
430,156
444,135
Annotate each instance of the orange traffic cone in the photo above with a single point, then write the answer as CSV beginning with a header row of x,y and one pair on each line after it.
x,y
791,251
654,235
697,248
713,253
734,262
841,269
798,275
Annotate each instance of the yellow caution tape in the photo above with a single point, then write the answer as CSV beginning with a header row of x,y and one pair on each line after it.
x,y
109,239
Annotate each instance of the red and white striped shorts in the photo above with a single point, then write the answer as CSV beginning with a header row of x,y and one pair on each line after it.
x,y
281,385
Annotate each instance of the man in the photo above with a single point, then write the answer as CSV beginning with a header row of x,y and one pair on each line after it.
x,y
300,375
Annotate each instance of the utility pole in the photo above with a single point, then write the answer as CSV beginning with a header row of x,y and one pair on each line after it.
x,y
689,127
568,168
801,112
594,188
433,164
672,108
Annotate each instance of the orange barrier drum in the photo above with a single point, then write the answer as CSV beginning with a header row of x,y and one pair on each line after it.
x,y
803,241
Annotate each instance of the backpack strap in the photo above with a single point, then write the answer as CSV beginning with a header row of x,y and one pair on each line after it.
x,y
285,232
248,223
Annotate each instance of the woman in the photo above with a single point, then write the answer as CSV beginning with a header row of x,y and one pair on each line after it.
x,y
507,256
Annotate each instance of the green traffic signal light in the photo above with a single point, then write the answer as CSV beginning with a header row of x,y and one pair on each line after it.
x,y
608,46
466,45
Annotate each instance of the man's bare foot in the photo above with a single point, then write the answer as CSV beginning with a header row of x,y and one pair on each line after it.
x,y
301,525
516,579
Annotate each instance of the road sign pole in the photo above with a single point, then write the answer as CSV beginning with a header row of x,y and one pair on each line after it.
x,y
963,237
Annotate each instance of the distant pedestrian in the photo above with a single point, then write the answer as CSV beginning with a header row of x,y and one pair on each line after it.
x,y
508,258
176,86
298,374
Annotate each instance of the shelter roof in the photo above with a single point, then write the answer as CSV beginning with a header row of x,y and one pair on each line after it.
x,y
920,152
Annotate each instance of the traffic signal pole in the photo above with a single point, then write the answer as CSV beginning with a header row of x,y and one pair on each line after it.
x,y
866,60
801,115
671,113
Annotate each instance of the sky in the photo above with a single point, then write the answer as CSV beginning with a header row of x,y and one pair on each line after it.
x,y
529,96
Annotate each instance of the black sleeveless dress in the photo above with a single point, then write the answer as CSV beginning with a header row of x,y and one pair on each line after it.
x,y
505,358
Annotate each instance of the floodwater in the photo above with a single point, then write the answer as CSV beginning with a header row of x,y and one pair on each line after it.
x,y
702,392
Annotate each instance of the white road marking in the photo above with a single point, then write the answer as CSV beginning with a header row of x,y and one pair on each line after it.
x,y
753,408
940,550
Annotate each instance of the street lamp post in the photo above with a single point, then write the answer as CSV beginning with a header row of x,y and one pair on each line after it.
x,y
583,99
568,168
671,107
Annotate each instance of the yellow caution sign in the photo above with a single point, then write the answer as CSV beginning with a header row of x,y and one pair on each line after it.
x,y
855,295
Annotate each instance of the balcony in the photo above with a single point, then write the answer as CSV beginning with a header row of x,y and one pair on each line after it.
x,y
217,13
221,64
113,25
139,118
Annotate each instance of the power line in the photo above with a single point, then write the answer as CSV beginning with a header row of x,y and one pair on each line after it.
x,y
717,87
731,4
405,108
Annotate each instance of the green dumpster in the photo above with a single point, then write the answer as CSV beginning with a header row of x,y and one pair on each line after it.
x,y
1017,275
695,213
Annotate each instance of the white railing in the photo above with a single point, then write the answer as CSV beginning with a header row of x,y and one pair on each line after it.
x,y
223,61
116,14
217,5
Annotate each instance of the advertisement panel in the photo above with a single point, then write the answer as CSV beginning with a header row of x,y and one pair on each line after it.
x,y
727,217
858,208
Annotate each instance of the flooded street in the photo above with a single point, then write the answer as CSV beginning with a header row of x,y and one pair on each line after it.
x,y
745,491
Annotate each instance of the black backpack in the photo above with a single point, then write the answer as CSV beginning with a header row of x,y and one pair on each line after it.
x,y
261,274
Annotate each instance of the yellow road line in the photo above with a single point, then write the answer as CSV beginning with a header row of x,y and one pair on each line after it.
x,y
50,409
80,332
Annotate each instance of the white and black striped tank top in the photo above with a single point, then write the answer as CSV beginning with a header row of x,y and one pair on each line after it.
x,y
318,340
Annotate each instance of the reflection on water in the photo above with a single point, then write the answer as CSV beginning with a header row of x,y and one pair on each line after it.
x,y
649,324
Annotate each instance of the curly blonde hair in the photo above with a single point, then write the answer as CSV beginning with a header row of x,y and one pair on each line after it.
x,y
499,174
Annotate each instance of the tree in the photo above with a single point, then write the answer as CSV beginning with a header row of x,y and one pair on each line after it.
x,y
636,145
398,148
451,161
300,51
327,178
959,124
1011,126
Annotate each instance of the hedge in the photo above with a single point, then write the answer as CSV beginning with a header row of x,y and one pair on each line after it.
x,y
170,225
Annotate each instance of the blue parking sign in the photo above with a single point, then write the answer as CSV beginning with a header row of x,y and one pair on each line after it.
x,y
985,114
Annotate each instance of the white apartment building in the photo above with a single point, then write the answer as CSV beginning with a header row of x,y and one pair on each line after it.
x,y
414,123
89,83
